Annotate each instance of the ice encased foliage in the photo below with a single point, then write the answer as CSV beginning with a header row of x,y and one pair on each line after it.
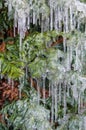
x,y
74,123
27,11
27,114
55,14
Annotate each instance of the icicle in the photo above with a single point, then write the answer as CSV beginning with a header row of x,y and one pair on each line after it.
x,y
65,105
20,45
76,62
26,72
44,88
15,22
31,17
56,19
79,102
60,92
68,87
28,22
49,89
9,80
15,19
12,84
84,43
51,18
75,92
71,19
68,58
85,29
46,23
74,21
39,20
52,108
71,53
82,53
9,6
14,32
85,123
21,32
64,44
66,20
34,17
55,103
20,93
38,88
42,25
20,87
78,23
22,26
23,81
59,19
2,76
31,82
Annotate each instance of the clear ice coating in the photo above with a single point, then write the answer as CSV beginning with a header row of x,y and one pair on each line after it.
x,y
65,19
58,13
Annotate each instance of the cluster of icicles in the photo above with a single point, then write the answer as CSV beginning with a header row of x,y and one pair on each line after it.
x,y
59,15
64,17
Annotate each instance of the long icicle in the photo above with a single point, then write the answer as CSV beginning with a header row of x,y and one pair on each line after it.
x,y
9,6
71,53
65,104
38,88
42,25
34,17
82,53
19,88
21,81
56,18
64,43
79,102
71,19
20,46
59,18
15,22
68,58
77,59
68,90
44,89
51,18
66,18
28,22
49,89
85,28
52,107
60,89
56,102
